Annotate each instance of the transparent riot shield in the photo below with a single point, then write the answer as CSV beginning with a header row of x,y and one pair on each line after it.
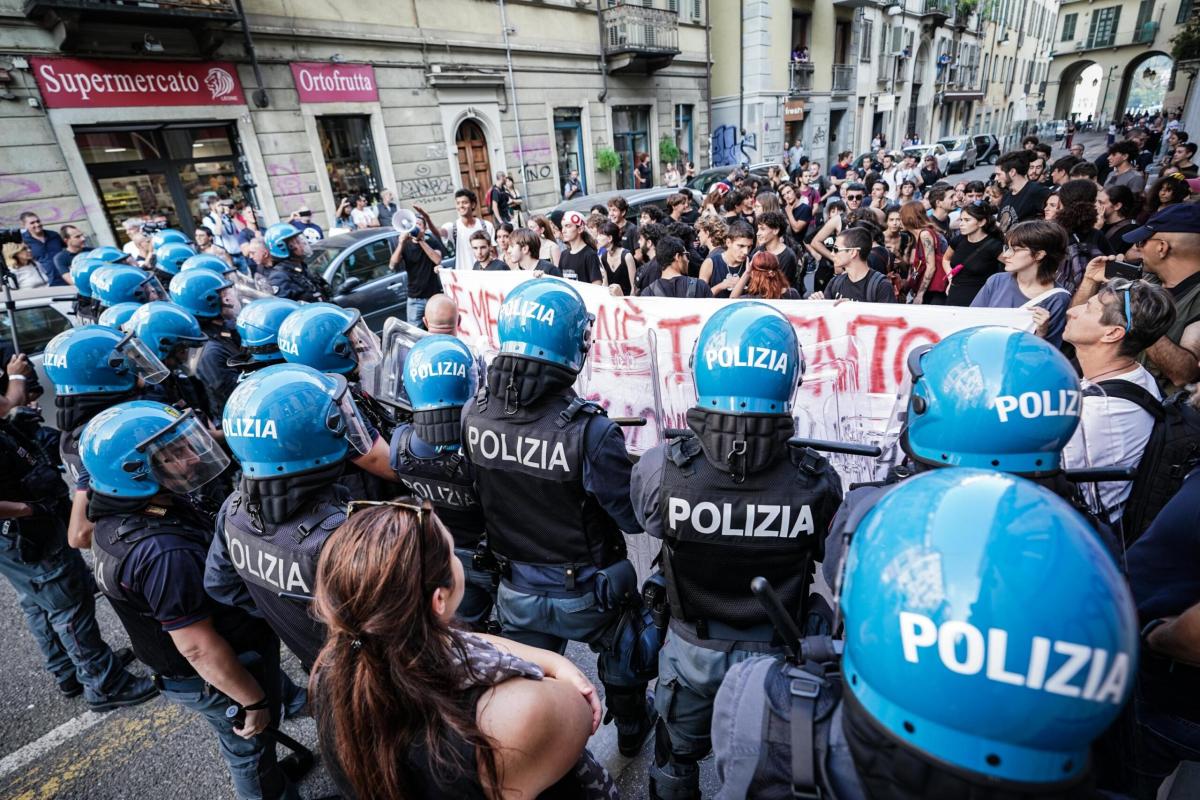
x,y
398,338
249,288
621,375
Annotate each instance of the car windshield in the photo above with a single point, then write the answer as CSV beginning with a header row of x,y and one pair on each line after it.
x,y
322,257
952,144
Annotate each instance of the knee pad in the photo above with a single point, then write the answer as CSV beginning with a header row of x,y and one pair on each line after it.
x,y
624,702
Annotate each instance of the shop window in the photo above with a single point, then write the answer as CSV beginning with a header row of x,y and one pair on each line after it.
x,y
568,142
349,151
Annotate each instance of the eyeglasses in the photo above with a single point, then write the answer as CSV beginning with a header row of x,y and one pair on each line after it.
x,y
1010,249
424,511
839,249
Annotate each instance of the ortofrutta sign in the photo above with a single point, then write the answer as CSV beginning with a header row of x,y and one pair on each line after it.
x,y
102,83
335,83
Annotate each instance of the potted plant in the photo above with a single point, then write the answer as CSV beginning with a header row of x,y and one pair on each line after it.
x,y
607,159
668,151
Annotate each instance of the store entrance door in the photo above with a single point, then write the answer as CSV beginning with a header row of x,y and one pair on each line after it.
x,y
631,138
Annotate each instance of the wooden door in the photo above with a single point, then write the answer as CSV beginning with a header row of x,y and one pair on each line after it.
x,y
473,165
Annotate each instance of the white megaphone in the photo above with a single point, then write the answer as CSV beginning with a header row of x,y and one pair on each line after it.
x,y
405,221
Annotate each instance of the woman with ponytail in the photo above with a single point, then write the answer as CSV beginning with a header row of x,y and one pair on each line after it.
x,y
764,280
974,255
411,706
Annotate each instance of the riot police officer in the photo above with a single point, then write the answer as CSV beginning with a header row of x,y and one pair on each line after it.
x,y
957,413
92,368
730,500
553,479
258,329
440,378
82,267
170,257
214,302
167,236
150,545
289,276
116,316
291,429
51,580
113,284
950,686
172,332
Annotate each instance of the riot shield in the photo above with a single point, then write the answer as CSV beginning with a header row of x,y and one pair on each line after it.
x,y
397,339
620,375
248,287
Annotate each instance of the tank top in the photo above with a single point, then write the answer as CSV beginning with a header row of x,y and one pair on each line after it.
x,y
620,275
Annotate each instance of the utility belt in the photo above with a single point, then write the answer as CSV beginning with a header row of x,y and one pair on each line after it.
x,y
614,585
712,634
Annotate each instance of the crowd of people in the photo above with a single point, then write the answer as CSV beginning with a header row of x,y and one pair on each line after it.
x,y
426,538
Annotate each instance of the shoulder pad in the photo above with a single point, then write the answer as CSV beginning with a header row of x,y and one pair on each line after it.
x,y
682,450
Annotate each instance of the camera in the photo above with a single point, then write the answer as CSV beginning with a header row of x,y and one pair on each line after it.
x,y
151,228
10,236
1122,269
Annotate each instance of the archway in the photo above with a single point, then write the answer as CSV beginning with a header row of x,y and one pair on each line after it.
x,y
1145,83
1072,82
474,165
921,100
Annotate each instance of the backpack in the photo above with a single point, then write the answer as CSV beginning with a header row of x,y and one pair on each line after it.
x,y
874,278
693,289
1172,452
1070,272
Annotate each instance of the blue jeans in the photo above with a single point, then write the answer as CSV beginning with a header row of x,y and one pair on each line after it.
x,y
416,311
57,595
252,763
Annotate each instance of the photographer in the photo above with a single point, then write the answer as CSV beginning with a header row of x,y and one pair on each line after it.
x,y
421,257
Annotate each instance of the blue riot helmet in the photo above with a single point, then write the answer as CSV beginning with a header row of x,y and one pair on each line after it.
x,y
440,378
206,294
170,257
109,255
545,320
81,273
123,284
165,327
117,315
289,418
991,397
205,261
942,650
137,449
167,236
747,360
277,237
98,360
329,338
258,328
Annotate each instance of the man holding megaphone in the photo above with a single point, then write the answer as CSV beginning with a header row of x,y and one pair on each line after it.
x,y
420,255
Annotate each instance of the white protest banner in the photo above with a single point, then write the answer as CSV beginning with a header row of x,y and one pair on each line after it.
x,y
639,363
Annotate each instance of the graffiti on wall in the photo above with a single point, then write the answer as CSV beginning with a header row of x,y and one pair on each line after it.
x,y
27,192
537,172
730,149
533,148
286,174
425,188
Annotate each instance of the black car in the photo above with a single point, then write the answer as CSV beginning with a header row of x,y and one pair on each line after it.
x,y
705,179
636,198
356,267
987,148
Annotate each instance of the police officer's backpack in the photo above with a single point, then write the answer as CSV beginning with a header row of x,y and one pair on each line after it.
x,y
1172,452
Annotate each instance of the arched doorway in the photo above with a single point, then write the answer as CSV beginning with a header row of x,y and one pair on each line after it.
x,y
1079,80
1145,84
474,166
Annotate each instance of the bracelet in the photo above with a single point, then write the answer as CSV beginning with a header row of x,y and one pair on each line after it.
x,y
16,377
261,705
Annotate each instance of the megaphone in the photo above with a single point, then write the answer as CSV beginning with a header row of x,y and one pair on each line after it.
x,y
405,221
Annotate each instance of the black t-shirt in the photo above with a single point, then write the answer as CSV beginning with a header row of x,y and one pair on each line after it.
x,y
944,224
980,261
423,282
585,264
679,286
500,198
647,274
629,236
1113,234
872,288
788,263
1024,205
495,265
619,274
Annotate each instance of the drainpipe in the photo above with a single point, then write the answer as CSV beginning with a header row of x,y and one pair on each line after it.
x,y
516,106
741,69
603,54
260,94
708,75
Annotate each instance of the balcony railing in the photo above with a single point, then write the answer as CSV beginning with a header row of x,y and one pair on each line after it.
x,y
802,78
1143,34
640,30
207,9
843,78
938,8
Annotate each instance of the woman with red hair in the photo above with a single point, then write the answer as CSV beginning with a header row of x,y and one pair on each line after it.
x,y
764,280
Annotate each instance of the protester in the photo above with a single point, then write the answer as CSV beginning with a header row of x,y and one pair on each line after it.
x,y
481,251
618,272
764,280
420,256
928,279
1022,199
1122,160
1167,190
772,226
974,255
523,251
854,278
1117,207
1033,252
579,261
548,249
460,231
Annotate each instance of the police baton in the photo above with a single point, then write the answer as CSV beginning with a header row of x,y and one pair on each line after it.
x,y
1096,474
829,446
237,715
630,422
784,625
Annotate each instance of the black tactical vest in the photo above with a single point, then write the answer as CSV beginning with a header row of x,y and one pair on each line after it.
x,y
115,537
445,481
68,450
278,564
719,534
529,474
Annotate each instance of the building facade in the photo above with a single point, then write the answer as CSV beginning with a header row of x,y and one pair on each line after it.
x,y
302,103
1119,37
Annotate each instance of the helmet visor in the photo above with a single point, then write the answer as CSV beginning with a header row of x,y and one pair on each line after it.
x,y
152,289
148,365
231,303
184,456
344,418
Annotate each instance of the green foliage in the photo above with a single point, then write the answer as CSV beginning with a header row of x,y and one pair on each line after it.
x,y
965,9
668,153
1185,46
607,159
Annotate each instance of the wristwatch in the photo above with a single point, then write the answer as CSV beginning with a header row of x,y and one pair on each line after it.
x,y
1149,628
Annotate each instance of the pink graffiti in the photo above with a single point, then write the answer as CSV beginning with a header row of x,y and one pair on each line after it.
x,y
286,175
532,146
13,188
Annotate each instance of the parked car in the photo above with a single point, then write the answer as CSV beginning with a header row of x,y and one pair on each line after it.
x,y
935,150
961,151
356,266
987,148
636,198
704,180
40,314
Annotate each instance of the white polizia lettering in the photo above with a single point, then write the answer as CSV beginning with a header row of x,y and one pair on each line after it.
x,y
756,357
963,649
54,360
536,453
442,369
249,428
282,573
527,309
1046,403
760,522
289,346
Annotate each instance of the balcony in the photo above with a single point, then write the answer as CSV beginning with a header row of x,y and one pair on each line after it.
x,y
934,9
857,3
638,39
801,78
1142,35
886,67
843,78
176,25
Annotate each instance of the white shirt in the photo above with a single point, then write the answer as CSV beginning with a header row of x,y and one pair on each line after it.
x,y
363,217
463,258
1112,433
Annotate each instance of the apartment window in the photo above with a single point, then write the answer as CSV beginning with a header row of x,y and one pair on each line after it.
x,y
696,6
1185,12
1069,22
865,50
1103,31
672,6
1145,9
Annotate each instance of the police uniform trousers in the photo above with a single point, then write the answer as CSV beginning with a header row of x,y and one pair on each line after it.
x,y
478,593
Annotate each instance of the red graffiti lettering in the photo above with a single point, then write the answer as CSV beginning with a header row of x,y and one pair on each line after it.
x,y
907,342
674,328
877,381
